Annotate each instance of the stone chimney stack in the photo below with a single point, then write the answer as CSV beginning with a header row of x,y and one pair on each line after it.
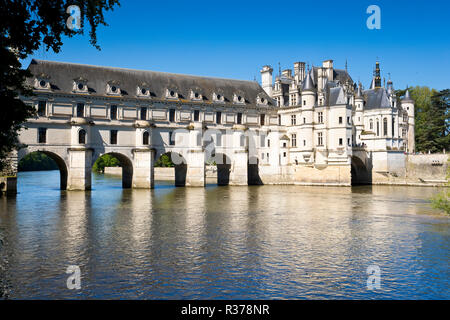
x,y
328,66
299,71
266,79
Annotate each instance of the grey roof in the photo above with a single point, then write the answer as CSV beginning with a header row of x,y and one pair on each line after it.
x,y
307,83
372,84
63,74
376,99
335,96
407,96
338,75
359,93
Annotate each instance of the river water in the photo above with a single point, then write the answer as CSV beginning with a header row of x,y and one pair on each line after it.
x,y
257,242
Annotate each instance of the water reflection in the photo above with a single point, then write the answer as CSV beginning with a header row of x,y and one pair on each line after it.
x,y
223,242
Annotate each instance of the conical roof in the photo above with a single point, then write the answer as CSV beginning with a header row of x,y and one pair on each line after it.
x,y
407,96
307,83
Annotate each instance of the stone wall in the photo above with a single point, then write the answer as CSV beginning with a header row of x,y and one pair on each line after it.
x,y
164,174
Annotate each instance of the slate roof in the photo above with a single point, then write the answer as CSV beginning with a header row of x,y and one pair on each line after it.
x,y
376,99
62,77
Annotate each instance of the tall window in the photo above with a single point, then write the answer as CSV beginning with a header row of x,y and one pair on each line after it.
x,y
239,118
371,124
279,119
320,116
196,115
340,141
242,140
172,115
42,135
113,137
320,139
385,127
268,143
294,140
113,113
171,138
293,120
80,110
82,136
304,120
393,127
41,108
348,120
378,127
293,99
145,138
262,117
218,117
340,120
143,113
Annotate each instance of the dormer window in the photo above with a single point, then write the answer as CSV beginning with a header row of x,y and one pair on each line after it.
x,y
113,88
41,82
171,94
196,96
218,97
80,85
261,100
238,98
143,90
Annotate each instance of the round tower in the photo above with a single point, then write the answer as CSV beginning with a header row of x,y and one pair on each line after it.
x,y
408,105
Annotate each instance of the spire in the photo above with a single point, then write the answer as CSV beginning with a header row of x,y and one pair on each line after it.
x,y
359,93
377,76
407,96
372,85
307,83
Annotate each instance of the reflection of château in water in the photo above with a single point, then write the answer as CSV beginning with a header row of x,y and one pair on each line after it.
x,y
312,127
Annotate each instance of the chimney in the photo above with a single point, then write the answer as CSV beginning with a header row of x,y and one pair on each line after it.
x,y
328,66
299,71
266,79
287,73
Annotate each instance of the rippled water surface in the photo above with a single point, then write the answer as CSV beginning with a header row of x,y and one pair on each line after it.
x,y
259,242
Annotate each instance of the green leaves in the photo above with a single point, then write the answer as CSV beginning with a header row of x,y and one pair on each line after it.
x,y
106,160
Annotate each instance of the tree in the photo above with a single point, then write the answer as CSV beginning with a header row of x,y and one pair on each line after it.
x,y
106,160
164,161
25,26
431,118
442,200
37,161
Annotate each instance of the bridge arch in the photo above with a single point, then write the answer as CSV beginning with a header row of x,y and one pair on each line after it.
x,y
179,164
223,164
127,167
58,159
360,172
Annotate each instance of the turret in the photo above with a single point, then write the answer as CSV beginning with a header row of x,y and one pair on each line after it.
x,y
408,105
266,79
308,94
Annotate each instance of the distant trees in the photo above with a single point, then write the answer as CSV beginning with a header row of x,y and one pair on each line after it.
x,y
441,201
164,161
432,123
37,161
106,160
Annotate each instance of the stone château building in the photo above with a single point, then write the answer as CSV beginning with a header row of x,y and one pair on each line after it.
x,y
311,126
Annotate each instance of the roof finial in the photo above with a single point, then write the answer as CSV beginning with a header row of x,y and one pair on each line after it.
x,y
346,66
279,69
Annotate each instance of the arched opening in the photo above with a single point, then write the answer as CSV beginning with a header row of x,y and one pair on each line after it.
x,y
171,166
82,136
253,177
45,161
114,159
223,165
145,138
359,172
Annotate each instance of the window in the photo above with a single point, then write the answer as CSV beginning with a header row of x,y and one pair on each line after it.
x,y
293,100
304,120
349,142
371,124
385,127
196,115
143,113
239,118
41,108
172,115
80,110
320,139
262,140
348,120
262,117
219,139
42,135
320,102
113,137
284,145
284,154
279,119
403,133
113,113
171,138
393,127
267,157
268,143
218,117
145,138
320,116
293,120
340,120
294,140
82,136
378,127
304,102
242,140
340,141
304,143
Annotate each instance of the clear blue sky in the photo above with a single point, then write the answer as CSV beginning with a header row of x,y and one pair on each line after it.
x,y
234,39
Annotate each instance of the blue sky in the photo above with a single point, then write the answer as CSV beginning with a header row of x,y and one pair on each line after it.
x,y
234,39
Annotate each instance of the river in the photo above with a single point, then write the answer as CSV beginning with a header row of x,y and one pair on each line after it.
x,y
256,242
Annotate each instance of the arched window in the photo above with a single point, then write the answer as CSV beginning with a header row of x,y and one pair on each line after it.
x,y
385,127
82,136
371,124
145,138
378,127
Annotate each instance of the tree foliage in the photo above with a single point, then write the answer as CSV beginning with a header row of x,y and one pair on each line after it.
x,y
441,201
106,160
164,161
431,118
26,26
37,161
